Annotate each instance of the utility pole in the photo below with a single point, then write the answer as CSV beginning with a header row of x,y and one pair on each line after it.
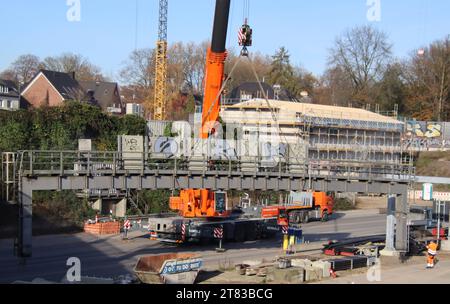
x,y
159,111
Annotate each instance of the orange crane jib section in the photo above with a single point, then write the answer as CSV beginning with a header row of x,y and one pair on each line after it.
x,y
215,69
193,203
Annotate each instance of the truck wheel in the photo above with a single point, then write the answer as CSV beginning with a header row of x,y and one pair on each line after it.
x,y
239,233
325,216
204,241
251,232
306,217
295,217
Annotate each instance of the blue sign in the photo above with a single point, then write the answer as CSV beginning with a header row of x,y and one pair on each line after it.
x,y
173,267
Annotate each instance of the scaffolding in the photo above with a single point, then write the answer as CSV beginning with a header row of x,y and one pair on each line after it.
x,y
333,133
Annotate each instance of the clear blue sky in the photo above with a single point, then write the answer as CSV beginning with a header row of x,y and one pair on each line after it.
x,y
107,33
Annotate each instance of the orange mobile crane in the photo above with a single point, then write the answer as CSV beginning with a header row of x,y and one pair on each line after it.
x,y
201,211
205,203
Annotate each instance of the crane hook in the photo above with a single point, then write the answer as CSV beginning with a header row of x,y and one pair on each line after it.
x,y
245,38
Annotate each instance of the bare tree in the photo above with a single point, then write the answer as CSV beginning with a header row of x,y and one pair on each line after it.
x,y
194,66
334,88
68,63
138,76
362,53
139,70
25,67
243,71
8,75
428,79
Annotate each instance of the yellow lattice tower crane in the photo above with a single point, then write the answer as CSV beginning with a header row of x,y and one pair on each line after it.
x,y
159,111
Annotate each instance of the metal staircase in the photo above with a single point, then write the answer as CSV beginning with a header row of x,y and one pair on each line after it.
x,y
9,183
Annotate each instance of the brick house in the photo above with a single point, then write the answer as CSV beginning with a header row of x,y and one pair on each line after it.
x,y
49,88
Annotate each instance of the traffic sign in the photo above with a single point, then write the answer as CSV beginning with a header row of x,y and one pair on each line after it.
x,y
218,233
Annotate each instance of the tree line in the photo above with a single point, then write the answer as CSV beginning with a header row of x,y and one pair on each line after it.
x,y
59,128
361,71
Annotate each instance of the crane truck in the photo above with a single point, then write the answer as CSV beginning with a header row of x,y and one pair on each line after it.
x,y
200,212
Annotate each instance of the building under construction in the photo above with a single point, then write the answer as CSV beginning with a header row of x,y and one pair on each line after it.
x,y
334,133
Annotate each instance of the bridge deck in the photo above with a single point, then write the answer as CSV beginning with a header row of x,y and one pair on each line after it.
x,y
69,170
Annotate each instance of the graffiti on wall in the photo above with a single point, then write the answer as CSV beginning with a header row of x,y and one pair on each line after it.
x,y
425,135
423,129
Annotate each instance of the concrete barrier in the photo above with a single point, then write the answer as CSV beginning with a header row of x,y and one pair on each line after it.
x,y
324,266
313,274
301,263
445,246
286,276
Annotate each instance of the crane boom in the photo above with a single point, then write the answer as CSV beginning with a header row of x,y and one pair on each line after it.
x,y
205,203
215,67
161,64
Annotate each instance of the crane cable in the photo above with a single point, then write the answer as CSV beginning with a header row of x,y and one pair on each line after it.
x,y
246,11
216,100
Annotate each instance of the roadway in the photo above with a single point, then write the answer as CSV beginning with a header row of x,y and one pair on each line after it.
x,y
112,257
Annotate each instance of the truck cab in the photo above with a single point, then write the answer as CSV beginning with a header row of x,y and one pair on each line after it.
x,y
301,207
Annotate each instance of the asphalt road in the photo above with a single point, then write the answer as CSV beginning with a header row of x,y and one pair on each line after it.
x,y
112,257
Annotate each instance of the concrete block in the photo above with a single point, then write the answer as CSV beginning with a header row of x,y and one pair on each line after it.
x,y
389,253
85,145
445,246
286,276
303,263
324,267
121,208
313,274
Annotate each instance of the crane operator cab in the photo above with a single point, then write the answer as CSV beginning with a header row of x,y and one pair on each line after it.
x,y
245,38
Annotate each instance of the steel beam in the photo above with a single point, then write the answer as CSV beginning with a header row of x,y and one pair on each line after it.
x,y
220,181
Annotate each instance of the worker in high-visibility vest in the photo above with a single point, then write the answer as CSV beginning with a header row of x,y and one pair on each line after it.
x,y
431,254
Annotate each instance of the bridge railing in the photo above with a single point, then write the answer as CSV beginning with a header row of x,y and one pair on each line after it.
x,y
73,163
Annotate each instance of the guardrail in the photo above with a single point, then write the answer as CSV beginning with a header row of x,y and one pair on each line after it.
x,y
74,163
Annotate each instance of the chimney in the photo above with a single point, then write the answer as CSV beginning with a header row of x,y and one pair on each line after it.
x,y
72,74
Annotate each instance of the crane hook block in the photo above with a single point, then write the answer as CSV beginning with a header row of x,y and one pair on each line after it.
x,y
245,36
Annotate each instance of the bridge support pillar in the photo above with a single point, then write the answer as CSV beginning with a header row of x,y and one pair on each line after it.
x,y
390,226
23,245
396,226
401,232
121,208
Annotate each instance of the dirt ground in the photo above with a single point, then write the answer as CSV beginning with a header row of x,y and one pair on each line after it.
x,y
387,264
